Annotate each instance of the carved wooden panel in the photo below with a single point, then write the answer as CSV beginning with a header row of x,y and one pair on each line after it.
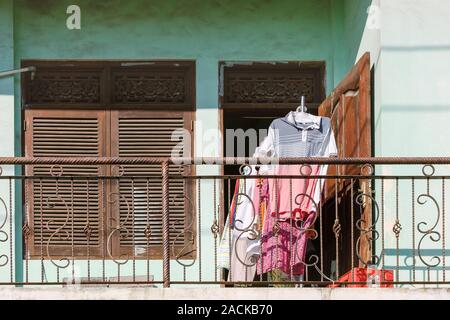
x,y
271,84
150,86
262,88
65,86
156,85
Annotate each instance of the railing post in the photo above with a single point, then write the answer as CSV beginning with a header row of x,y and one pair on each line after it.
x,y
165,224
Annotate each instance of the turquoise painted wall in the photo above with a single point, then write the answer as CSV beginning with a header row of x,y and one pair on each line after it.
x,y
348,18
207,31
355,16
6,46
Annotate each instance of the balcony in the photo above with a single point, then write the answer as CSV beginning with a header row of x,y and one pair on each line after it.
x,y
155,222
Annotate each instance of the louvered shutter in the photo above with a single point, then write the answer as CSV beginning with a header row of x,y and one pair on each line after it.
x,y
64,215
137,197
349,108
350,112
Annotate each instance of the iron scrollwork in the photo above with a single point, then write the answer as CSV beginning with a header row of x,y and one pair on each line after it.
x,y
250,230
430,232
119,228
3,234
51,202
367,230
311,233
59,232
187,248
4,259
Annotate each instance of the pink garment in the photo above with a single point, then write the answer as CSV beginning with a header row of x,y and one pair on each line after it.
x,y
286,249
297,199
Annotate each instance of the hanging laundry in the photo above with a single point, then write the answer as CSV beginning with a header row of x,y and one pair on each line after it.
x,y
292,202
242,222
270,218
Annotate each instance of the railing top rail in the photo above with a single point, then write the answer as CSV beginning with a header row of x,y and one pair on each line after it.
x,y
219,160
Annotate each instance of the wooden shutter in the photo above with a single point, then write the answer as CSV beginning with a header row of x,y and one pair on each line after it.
x,y
64,214
136,207
349,107
53,100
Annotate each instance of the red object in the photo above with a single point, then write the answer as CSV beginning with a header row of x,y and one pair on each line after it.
x,y
361,276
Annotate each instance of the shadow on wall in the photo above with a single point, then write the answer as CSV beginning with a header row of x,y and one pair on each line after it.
x,y
425,259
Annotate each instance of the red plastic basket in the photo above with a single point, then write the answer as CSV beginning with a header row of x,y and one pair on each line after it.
x,y
360,275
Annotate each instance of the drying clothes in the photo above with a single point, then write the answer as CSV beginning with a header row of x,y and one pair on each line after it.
x,y
284,246
232,255
247,202
243,265
288,138
243,220
283,209
283,243
260,195
232,215
293,139
293,197
243,224
224,249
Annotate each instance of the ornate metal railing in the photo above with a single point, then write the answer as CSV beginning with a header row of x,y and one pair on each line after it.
x,y
385,217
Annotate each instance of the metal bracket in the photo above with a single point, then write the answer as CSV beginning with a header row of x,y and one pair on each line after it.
x,y
8,73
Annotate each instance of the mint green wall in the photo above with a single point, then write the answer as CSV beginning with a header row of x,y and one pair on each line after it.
x,y
6,45
207,31
348,18
355,16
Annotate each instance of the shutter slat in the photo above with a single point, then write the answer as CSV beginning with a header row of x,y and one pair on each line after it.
x,y
150,136
59,133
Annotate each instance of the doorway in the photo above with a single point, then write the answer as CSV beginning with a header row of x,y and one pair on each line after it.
x,y
255,94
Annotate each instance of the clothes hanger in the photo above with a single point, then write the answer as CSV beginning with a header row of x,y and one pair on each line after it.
x,y
301,108
302,116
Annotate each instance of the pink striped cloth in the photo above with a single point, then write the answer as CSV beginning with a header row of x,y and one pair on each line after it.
x,y
291,204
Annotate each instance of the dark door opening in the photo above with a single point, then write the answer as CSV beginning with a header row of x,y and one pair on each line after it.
x,y
255,94
261,119
245,120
